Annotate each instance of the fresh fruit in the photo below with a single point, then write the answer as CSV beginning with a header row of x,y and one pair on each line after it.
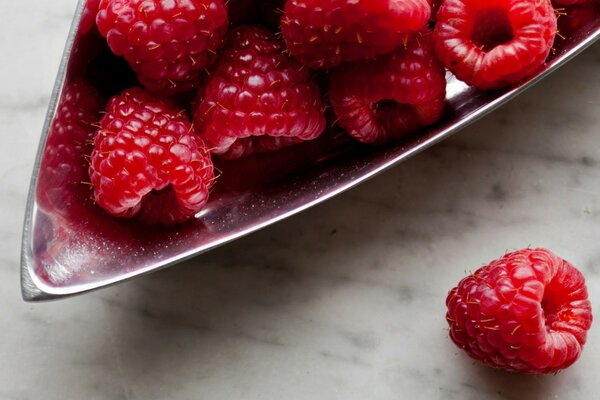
x,y
392,96
88,16
492,44
147,161
63,172
257,98
527,311
167,43
325,33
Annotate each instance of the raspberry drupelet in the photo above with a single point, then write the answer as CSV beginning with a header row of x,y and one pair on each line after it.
x,y
496,43
325,33
167,43
391,97
257,98
526,312
147,161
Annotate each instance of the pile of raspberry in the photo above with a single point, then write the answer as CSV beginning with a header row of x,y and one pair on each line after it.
x,y
261,75
229,78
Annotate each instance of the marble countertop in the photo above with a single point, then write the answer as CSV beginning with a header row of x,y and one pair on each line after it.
x,y
345,301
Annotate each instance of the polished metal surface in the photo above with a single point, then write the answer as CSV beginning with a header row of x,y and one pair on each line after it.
x,y
70,246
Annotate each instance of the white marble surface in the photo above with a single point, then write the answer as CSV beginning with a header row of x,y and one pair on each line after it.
x,y
345,301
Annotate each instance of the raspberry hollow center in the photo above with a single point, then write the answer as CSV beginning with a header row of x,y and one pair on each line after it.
x,y
491,28
550,312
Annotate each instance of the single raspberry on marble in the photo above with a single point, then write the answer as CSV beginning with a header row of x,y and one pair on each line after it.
x,y
257,98
147,161
325,33
497,43
392,96
525,312
167,43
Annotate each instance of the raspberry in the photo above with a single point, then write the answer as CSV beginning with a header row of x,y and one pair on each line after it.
x,y
147,162
63,169
495,43
325,33
88,16
528,312
167,43
388,98
257,98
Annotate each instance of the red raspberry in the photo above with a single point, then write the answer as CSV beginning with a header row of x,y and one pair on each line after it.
x,y
88,16
167,43
388,98
63,169
497,43
325,33
257,98
528,311
147,162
